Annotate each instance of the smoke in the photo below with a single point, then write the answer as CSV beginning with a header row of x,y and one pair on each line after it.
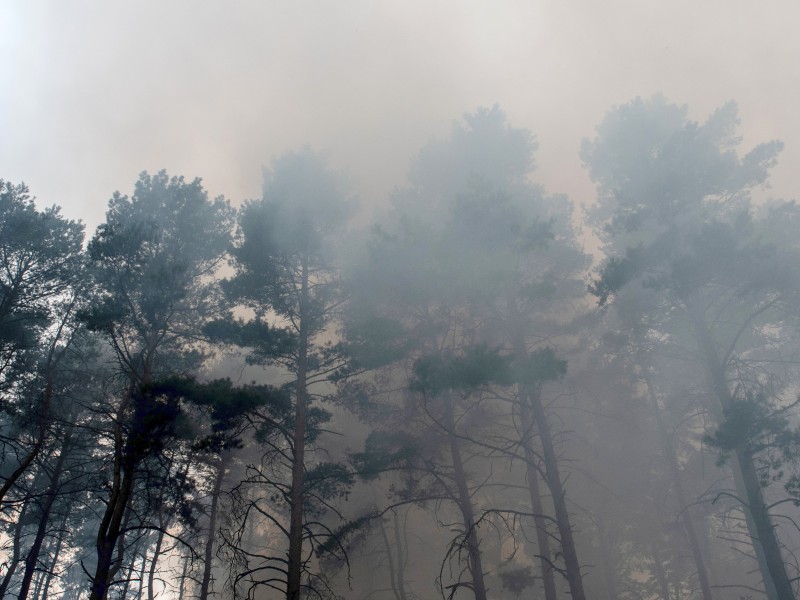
x,y
94,94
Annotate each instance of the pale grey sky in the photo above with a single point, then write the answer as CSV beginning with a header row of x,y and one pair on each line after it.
x,y
94,92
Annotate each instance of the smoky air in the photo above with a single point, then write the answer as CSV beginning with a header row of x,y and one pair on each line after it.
x,y
399,301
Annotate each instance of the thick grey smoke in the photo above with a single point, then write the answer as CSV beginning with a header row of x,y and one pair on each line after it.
x,y
95,93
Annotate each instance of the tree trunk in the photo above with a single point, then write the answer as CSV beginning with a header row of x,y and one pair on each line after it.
x,y
140,592
573,568
402,555
109,531
132,566
15,552
539,520
294,566
53,359
42,594
47,397
531,461
151,576
465,505
759,523
212,527
677,481
44,520
184,575
390,561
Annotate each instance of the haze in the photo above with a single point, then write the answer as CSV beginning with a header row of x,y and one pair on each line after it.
x,y
399,300
97,92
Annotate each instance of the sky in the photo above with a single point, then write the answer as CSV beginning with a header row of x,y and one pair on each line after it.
x,y
95,92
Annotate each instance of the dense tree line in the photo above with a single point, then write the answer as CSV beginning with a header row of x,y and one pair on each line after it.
x,y
259,402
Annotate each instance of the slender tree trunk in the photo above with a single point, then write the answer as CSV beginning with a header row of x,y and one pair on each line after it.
x,y
44,521
539,520
759,523
15,552
43,593
212,526
573,568
140,592
465,505
151,576
677,481
294,566
390,561
132,566
402,555
396,565
37,589
531,461
184,575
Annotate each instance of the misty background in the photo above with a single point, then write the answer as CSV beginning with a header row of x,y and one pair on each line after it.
x,y
96,92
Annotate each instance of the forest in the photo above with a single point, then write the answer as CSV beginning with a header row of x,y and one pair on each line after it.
x,y
488,391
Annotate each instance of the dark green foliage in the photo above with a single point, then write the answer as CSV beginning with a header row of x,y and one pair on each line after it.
x,y
226,405
384,451
616,273
151,425
480,366
328,481
752,425
150,259
476,366
267,343
348,535
40,267
540,366
375,341
303,204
